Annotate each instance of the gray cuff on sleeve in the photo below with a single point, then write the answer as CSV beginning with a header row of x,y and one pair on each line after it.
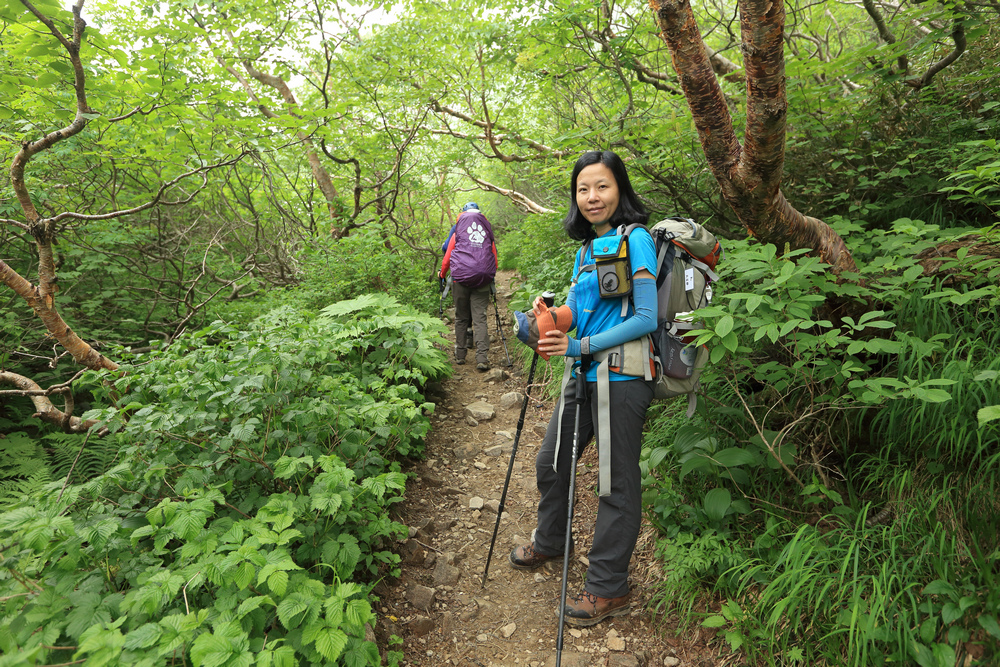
x,y
585,345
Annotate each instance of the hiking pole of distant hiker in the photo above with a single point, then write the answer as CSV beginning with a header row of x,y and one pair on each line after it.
x,y
445,288
549,299
581,388
496,309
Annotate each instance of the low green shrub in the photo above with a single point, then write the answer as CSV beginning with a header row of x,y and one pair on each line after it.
x,y
248,513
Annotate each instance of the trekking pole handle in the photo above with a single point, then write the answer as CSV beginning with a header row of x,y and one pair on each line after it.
x,y
549,298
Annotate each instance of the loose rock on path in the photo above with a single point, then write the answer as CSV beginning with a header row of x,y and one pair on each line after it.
x,y
438,606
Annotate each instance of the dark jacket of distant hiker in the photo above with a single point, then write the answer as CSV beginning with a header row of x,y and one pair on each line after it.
x,y
472,252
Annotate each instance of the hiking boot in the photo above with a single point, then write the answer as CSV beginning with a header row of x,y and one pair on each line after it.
x,y
587,609
525,557
482,367
460,362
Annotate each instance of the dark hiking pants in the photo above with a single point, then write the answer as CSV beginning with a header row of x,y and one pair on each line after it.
x,y
619,514
471,308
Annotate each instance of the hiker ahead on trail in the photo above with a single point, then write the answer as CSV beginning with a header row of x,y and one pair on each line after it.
x,y
614,306
471,256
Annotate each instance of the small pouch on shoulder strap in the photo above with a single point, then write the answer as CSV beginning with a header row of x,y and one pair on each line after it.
x,y
614,270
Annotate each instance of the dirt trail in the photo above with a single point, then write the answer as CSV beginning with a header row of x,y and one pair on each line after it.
x,y
438,605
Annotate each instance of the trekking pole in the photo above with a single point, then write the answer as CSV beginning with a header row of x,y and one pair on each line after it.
x,y
496,309
581,387
510,465
549,299
445,288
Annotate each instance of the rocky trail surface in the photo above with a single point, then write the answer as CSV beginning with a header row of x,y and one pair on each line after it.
x,y
439,606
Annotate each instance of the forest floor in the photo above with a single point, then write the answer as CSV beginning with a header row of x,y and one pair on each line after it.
x,y
439,606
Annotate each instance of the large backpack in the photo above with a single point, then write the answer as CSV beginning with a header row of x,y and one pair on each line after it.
x,y
686,256
472,262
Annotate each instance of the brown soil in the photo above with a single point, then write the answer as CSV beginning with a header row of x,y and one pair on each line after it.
x,y
513,619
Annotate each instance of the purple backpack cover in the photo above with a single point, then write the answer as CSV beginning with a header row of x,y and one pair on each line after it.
x,y
472,262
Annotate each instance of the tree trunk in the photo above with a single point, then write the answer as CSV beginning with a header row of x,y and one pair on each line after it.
x,y
749,175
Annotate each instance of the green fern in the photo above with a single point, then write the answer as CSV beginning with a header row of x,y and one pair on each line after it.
x,y
95,457
23,466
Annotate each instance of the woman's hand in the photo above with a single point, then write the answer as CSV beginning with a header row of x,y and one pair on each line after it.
x,y
552,342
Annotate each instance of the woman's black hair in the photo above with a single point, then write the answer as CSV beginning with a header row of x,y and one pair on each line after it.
x,y
630,210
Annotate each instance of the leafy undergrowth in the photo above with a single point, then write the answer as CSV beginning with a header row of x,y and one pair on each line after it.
x,y
246,517
834,502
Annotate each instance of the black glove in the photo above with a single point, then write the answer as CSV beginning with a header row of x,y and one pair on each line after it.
x,y
442,282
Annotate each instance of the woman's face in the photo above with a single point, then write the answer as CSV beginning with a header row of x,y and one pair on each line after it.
x,y
597,196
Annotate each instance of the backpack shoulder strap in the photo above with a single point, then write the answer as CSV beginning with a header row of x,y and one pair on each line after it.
x,y
584,268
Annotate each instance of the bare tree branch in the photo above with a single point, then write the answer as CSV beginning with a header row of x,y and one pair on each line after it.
x,y
519,199
958,37
44,409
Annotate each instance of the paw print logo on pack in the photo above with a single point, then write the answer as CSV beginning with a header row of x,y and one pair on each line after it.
x,y
476,233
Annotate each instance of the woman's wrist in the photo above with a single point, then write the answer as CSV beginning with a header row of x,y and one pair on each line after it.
x,y
572,347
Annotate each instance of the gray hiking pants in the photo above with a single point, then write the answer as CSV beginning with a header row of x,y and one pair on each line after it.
x,y
471,307
619,514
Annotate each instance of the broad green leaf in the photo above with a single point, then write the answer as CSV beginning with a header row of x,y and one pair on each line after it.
x,y
717,353
950,613
657,455
142,637
252,603
714,622
931,395
717,503
724,325
730,341
692,464
733,456
988,414
46,79
988,622
289,611
940,587
210,650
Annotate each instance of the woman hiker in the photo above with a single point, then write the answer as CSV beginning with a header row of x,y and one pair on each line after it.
x,y
601,200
